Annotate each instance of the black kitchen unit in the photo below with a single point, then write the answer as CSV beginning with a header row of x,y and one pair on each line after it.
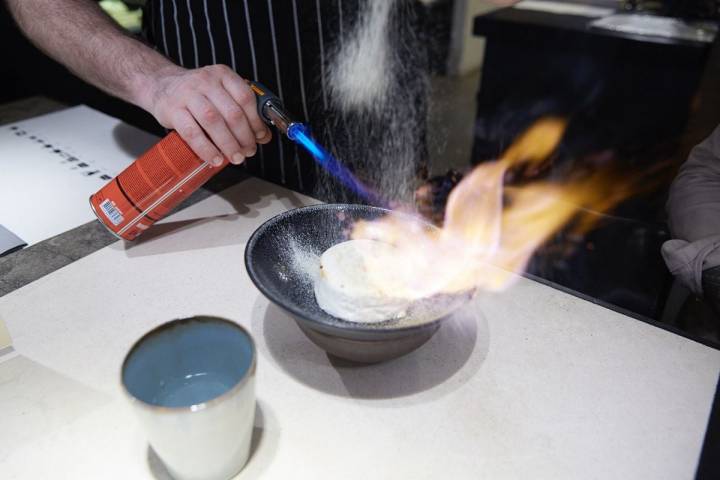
x,y
627,97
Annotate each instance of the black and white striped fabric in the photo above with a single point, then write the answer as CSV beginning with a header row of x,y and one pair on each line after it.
x,y
286,45
280,43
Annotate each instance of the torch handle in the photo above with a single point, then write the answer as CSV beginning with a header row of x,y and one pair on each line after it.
x,y
271,108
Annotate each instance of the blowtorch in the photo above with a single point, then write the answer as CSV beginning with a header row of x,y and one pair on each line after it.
x,y
271,109
160,179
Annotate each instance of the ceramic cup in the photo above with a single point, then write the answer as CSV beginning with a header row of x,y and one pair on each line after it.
x,y
192,385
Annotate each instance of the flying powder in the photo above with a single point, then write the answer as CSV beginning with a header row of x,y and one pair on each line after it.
x,y
361,70
376,81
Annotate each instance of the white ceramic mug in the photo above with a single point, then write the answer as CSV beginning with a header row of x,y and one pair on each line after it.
x,y
192,384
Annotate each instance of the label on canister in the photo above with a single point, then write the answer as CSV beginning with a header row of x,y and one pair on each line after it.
x,y
151,187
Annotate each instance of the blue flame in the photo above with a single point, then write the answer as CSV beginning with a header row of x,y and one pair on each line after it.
x,y
300,134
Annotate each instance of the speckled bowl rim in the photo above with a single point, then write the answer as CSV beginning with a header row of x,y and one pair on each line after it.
x,y
241,383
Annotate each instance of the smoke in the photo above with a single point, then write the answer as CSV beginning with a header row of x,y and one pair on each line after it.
x,y
377,83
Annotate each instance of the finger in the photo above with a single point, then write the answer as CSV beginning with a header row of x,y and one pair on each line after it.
x,y
266,139
240,91
189,130
210,119
235,119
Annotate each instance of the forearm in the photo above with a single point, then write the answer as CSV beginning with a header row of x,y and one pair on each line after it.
x,y
78,34
212,108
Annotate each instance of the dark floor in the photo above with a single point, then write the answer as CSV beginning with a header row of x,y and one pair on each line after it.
x,y
451,122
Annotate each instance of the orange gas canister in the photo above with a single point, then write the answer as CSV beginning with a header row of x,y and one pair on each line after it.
x,y
151,187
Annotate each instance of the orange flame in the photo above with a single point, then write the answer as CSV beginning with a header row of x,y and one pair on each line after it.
x,y
490,232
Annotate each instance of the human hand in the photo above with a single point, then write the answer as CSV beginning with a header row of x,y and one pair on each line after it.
x,y
212,108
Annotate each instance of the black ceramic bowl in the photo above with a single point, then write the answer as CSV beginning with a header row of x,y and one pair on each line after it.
x,y
278,258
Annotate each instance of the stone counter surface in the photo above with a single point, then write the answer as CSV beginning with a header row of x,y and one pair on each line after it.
x,y
528,383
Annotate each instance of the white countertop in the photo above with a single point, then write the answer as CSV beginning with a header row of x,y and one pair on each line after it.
x,y
530,383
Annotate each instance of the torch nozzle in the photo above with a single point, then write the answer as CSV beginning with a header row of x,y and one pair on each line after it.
x,y
271,108
272,111
278,116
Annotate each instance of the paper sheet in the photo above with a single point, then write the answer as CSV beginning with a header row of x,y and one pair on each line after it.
x,y
9,242
564,8
50,165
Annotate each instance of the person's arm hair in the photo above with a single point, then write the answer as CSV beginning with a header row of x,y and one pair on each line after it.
x,y
81,36
212,108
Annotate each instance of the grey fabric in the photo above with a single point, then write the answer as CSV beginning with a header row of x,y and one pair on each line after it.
x,y
694,215
687,260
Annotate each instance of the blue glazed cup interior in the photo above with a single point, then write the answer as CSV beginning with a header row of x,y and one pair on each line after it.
x,y
188,362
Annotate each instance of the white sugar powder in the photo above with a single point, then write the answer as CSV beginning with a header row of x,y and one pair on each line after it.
x,y
361,70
